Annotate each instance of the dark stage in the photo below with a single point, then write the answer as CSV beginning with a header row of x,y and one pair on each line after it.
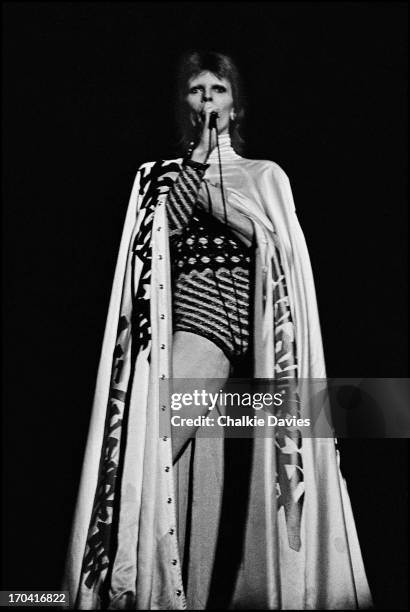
x,y
87,97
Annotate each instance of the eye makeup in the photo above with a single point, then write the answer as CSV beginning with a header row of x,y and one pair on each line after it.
x,y
217,88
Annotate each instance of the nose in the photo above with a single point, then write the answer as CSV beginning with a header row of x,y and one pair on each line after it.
x,y
206,98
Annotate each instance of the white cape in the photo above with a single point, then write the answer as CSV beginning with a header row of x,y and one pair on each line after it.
x,y
145,512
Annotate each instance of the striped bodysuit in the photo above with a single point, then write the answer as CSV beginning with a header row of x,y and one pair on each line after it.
x,y
211,269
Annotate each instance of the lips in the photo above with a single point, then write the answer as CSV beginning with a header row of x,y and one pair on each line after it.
x,y
202,115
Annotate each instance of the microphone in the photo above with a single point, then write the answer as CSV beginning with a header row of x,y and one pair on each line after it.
x,y
212,120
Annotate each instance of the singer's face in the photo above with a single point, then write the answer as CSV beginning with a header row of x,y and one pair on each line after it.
x,y
207,92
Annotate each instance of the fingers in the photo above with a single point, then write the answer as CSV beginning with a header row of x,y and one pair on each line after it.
x,y
208,108
207,140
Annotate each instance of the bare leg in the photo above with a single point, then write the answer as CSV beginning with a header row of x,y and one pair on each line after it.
x,y
194,357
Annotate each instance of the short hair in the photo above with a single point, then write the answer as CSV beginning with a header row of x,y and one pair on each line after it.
x,y
191,64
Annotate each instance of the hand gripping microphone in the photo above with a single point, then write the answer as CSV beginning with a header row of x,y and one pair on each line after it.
x,y
212,120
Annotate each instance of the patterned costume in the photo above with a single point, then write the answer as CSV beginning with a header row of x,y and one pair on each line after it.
x,y
211,269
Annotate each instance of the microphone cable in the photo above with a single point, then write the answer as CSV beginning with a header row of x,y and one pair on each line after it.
x,y
224,244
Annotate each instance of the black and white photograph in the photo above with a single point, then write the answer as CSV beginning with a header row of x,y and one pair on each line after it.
x,y
205,353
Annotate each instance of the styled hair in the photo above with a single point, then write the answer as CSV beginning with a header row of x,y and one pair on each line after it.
x,y
190,65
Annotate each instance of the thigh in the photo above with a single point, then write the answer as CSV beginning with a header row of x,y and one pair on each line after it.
x,y
194,356
197,365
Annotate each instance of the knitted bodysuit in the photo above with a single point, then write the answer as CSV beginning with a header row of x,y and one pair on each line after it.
x,y
210,269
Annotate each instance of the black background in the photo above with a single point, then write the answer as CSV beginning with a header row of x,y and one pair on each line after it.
x,y
87,97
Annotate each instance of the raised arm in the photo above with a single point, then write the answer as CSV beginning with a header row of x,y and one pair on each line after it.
x,y
183,195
